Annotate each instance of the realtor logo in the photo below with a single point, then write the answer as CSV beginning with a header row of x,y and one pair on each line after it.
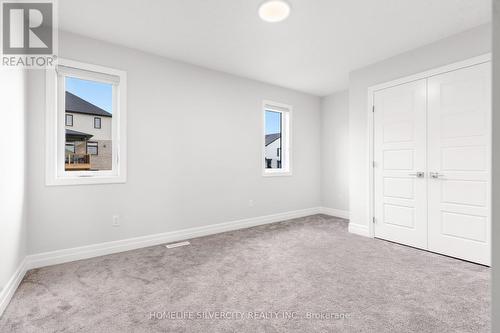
x,y
28,28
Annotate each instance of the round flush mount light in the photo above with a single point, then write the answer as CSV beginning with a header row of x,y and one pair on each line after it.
x,y
274,10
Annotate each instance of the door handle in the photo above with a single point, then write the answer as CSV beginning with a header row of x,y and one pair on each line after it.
x,y
436,175
417,174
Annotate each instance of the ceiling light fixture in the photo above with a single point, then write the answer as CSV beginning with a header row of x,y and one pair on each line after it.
x,y
274,11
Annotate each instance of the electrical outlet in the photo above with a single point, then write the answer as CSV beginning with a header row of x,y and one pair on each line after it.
x,y
251,203
116,221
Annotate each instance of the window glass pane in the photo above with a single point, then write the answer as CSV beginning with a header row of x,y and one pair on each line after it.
x,y
92,145
274,125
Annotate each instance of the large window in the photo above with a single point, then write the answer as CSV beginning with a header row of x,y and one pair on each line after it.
x,y
90,148
276,146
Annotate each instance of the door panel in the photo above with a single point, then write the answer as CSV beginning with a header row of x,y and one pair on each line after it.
x,y
400,207
459,151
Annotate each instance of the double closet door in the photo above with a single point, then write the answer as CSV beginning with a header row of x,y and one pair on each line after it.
x,y
432,163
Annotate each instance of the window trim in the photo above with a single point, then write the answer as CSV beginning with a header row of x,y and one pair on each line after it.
x,y
100,122
66,115
286,139
55,135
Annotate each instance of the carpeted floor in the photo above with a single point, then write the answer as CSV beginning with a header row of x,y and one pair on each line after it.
x,y
302,275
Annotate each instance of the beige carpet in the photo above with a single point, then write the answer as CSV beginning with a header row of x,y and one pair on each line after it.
x,y
303,275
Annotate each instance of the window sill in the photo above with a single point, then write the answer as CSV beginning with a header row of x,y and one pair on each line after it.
x,y
276,173
86,180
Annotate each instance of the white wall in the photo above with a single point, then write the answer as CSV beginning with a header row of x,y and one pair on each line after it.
x,y
182,120
12,172
455,48
179,176
335,151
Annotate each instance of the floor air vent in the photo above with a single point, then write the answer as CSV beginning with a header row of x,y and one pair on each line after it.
x,y
171,246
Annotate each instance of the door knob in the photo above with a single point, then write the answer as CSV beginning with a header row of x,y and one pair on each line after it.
x,y
417,174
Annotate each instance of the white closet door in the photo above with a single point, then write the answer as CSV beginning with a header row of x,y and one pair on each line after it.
x,y
459,159
400,206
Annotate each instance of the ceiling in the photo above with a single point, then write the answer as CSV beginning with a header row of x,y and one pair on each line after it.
x,y
312,51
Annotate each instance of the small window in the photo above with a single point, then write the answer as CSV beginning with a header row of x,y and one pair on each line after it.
x,y
92,148
276,147
93,94
69,120
97,122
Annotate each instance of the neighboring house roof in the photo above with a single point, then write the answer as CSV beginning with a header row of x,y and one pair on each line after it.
x,y
76,104
270,138
77,136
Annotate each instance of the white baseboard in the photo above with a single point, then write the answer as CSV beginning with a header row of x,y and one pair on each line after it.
x,y
96,250
359,229
11,286
335,212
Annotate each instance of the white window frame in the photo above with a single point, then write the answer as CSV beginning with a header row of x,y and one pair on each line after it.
x,y
55,125
286,138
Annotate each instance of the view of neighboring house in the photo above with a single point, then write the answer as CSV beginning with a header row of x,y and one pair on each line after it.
x,y
273,151
88,135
